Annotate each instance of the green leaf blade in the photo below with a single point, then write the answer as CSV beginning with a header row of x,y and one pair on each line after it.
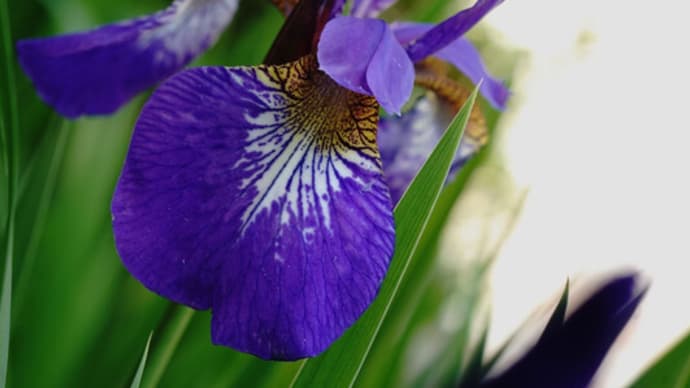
x,y
10,165
136,382
671,370
6,307
406,313
341,363
165,348
11,138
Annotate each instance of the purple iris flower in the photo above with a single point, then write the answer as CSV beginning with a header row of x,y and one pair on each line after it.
x,y
569,351
97,71
259,192
384,68
368,56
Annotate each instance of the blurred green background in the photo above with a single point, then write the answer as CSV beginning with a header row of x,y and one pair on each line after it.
x,y
79,319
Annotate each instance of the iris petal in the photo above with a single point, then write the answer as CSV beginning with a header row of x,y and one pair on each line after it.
x,y
97,71
258,192
407,141
370,8
464,56
364,56
449,30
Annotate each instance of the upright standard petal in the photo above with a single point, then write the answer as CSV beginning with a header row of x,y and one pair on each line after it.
x,y
258,192
449,30
370,8
363,55
96,72
407,141
568,356
464,56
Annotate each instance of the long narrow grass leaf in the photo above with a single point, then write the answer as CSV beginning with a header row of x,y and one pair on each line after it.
x,y
12,140
6,304
11,160
388,351
136,382
473,373
4,146
165,348
341,363
47,191
671,370
30,169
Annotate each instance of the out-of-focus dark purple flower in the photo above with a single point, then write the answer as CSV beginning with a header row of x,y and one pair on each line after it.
x,y
568,353
258,192
97,71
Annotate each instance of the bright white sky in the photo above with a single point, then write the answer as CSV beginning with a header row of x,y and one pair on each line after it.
x,y
598,133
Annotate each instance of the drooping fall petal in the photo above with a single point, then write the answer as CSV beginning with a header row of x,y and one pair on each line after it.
x,y
97,71
258,192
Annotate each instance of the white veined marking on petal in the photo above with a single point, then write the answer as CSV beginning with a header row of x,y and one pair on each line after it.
x,y
308,234
299,162
277,257
287,167
273,181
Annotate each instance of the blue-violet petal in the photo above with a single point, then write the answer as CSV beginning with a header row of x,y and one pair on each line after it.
x,y
97,71
258,192
363,55
464,56
449,30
